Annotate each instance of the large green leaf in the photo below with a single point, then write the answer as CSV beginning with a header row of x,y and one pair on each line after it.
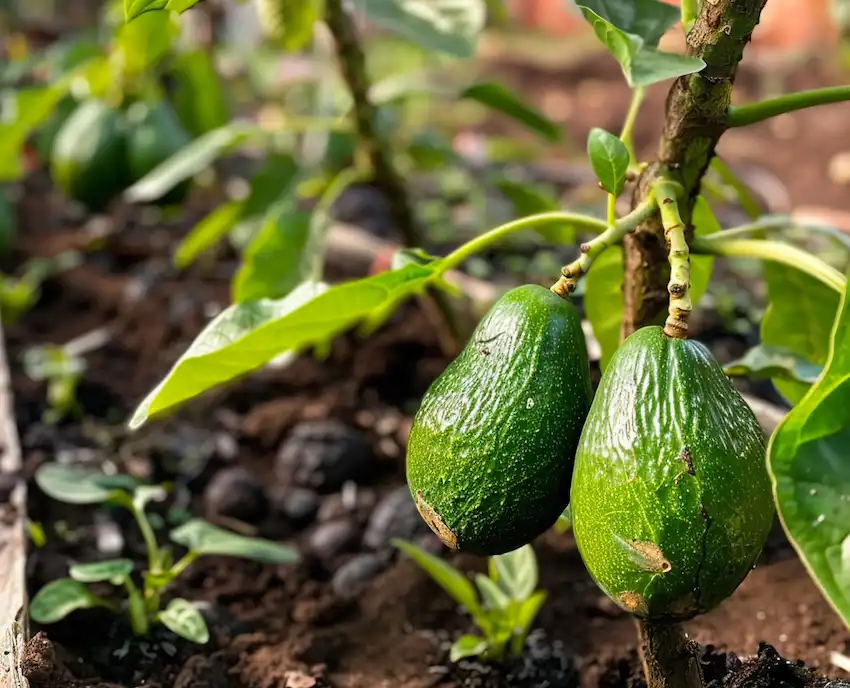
x,y
641,63
146,40
196,92
133,8
296,22
22,114
449,26
246,336
499,98
648,19
274,262
799,319
528,199
704,223
203,538
516,572
807,458
603,300
770,362
194,158
609,159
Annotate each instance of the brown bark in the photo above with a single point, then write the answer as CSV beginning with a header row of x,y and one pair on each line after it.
x,y
695,120
669,659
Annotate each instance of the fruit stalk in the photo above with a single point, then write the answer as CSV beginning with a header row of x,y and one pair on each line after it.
x,y
696,117
591,250
668,657
679,286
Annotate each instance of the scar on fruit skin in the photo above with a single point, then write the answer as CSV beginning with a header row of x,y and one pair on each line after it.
x,y
686,458
647,555
434,522
632,602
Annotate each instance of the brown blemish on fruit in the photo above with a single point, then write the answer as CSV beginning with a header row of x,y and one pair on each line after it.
x,y
648,556
686,458
632,602
434,522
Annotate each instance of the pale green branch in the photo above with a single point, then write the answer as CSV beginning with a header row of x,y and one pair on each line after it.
x,y
679,286
742,115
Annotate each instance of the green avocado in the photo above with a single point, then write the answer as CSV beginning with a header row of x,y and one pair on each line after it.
x,y
45,137
89,156
491,449
155,135
671,500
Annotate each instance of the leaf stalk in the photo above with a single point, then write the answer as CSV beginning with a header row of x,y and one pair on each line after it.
x,y
744,115
678,254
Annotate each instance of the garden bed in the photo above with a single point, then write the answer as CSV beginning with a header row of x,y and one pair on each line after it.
x,y
352,614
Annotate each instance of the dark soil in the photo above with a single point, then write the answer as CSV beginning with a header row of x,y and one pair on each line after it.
x,y
352,614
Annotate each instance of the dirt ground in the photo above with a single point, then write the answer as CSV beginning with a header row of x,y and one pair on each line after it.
x,y
352,614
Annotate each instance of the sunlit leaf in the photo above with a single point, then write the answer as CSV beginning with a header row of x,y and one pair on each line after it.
x,y
492,595
499,98
116,571
196,92
133,8
467,646
206,539
609,159
146,40
515,572
183,618
649,19
766,362
603,300
529,199
207,233
76,485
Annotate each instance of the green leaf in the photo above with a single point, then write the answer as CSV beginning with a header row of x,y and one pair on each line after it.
x,y
609,159
807,458
528,199
145,494
134,8
22,114
525,616
145,41
705,224
116,571
499,98
648,19
207,233
274,261
763,362
449,26
188,162
516,572
183,618
642,65
296,22
491,594
467,646
798,319
75,485
204,538
458,586
59,598
603,300
745,197
565,521
196,92
246,336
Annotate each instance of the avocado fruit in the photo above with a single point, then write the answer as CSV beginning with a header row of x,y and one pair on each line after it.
x,y
491,449
89,156
154,135
671,500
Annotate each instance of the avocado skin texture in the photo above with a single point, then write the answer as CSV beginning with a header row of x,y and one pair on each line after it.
x,y
155,137
491,450
89,156
671,500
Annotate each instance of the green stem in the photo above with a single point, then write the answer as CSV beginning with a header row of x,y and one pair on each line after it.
x,y
690,11
185,562
774,251
483,241
149,538
679,286
318,230
612,235
626,135
612,209
137,609
742,115
745,197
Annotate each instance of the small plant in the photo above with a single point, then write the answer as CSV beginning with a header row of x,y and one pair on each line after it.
x,y
503,608
61,371
143,604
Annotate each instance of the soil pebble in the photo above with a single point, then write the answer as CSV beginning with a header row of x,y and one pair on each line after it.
x,y
353,576
323,455
394,517
355,502
335,537
298,505
236,493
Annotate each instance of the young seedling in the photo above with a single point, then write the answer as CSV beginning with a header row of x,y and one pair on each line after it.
x,y
143,603
61,373
503,608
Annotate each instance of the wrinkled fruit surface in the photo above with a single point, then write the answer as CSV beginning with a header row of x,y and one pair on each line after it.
x,y
671,501
492,446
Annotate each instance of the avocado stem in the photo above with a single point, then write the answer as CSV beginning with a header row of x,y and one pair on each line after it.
x,y
679,286
613,234
668,657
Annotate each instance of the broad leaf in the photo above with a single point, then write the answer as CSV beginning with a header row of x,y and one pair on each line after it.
x,y
705,224
515,572
183,618
456,585
59,598
799,320
196,92
146,40
274,261
207,233
603,300
116,571
642,65
21,116
648,19
188,162
449,26
246,336
765,362
296,22
807,458
609,159
75,485
206,539
745,197
467,646
499,98
528,199
492,595
525,616
133,8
